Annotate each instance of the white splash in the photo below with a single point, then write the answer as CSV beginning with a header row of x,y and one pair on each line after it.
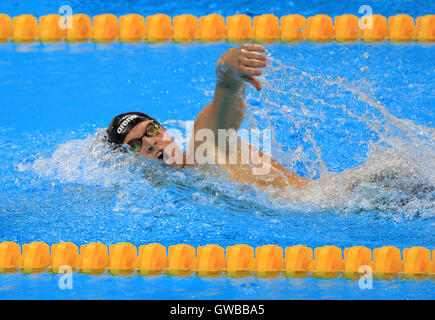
x,y
399,170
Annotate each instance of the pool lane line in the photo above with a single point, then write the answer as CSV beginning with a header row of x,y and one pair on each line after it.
x,y
239,28
210,260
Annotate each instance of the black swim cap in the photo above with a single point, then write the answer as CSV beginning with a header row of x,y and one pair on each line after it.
x,y
122,124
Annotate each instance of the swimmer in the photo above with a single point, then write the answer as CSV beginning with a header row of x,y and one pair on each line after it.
x,y
140,133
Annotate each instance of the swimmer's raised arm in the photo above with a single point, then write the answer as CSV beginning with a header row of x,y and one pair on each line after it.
x,y
233,69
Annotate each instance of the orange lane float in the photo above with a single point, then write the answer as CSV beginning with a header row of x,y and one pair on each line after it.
x,y
122,257
328,259
269,258
212,28
10,254
355,258
5,27
346,28
425,28
387,260
152,257
239,28
64,254
186,28
416,260
53,28
181,257
36,257
319,28
159,28
25,28
374,28
93,258
298,258
132,28
432,265
105,28
81,29
401,28
266,28
292,27
239,257
211,258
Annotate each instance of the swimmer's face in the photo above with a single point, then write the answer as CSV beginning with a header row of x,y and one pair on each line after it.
x,y
161,147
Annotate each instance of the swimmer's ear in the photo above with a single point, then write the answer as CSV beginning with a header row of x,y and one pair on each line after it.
x,y
254,81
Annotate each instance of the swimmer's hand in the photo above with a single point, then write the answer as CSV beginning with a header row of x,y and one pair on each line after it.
x,y
227,109
245,62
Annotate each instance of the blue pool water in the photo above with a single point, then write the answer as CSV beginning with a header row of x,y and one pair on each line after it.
x,y
356,117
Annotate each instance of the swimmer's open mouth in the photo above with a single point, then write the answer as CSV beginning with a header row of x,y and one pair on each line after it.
x,y
160,155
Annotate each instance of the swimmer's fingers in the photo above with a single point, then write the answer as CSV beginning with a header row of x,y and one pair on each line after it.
x,y
250,60
254,63
253,47
253,55
254,81
250,71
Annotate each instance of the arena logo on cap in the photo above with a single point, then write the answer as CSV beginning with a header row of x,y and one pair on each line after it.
x,y
125,123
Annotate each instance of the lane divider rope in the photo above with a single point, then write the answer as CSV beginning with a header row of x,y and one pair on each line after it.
x,y
183,259
213,27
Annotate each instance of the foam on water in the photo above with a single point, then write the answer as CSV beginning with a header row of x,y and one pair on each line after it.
x,y
398,171
139,185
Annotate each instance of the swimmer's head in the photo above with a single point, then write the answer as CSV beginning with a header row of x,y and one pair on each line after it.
x,y
122,124
142,134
